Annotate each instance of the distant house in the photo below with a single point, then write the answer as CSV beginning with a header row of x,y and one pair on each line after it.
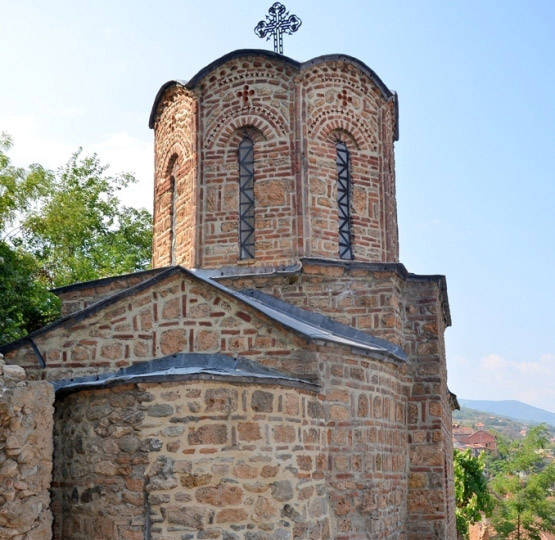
x,y
483,439
477,441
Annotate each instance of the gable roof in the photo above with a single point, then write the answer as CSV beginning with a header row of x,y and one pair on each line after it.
x,y
311,326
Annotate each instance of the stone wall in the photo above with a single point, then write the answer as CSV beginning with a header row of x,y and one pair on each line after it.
x,y
410,311
99,466
25,455
175,189
294,114
81,295
178,314
194,459
218,459
388,467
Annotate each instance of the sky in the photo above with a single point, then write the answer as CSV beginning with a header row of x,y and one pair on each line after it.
x,y
475,161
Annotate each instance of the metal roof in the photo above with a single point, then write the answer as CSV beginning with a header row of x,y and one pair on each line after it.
x,y
186,366
310,325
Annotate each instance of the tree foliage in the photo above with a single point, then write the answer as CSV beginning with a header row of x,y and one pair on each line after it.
x,y
25,303
82,231
471,490
60,228
525,488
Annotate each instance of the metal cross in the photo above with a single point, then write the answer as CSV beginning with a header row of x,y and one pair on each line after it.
x,y
279,22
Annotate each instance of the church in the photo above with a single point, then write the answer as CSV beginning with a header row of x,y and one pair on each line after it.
x,y
278,373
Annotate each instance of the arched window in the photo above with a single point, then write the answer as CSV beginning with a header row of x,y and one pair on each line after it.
x,y
173,213
246,199
344,201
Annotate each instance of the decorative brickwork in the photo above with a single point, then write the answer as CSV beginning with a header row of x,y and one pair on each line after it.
x,y
296,117
273,394
179,314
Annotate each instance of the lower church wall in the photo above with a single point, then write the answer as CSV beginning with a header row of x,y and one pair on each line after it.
x,y
190,460
217,459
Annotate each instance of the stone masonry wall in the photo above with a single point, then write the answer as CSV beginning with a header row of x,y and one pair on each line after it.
x,y
217,459
179,314
410,312
254,98
26,421
98,490
341,105
368,300
196,459
236,462
80,296
294,116
175,201
364,402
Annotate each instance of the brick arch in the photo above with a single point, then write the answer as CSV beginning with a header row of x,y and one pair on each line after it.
x,y
344,136
268,123
249,132
327,123
176,152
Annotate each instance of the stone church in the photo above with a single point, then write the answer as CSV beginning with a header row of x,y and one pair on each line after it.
x,y
278,374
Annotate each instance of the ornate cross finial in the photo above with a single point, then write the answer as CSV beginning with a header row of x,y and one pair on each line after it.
x,y
279,22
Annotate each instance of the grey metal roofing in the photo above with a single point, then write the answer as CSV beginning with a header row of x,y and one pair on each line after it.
x,y
145,274
295,269
317,326
299,66
186,366
311,326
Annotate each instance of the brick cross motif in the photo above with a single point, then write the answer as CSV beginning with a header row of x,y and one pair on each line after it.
x,y
245,93
344,98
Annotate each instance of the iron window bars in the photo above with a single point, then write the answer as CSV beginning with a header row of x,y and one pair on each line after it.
x,y
246,199
173,214
344,201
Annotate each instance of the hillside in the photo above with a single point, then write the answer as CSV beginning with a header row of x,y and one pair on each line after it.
x,y
512,409
513,429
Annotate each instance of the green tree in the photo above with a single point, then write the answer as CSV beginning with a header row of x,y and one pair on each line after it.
x,y
60,228
19,188
82,231
524,489
25,303
471,490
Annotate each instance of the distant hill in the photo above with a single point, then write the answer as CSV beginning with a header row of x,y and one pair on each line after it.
x,y
512,409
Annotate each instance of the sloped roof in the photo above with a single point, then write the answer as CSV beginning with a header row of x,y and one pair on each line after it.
x,y
317,326
311,326
185,366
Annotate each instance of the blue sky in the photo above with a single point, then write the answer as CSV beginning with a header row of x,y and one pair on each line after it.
x,y
475,161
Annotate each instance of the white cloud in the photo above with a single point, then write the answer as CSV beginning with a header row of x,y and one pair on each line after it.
x,y
493,362
496,377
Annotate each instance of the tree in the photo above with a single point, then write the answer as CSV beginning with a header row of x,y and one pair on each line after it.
x,y
25,303
60,228
82,231
19,187
471,490
524,489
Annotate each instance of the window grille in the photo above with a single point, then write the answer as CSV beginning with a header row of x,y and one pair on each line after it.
x,y
344,201
172,221
173,213
246,199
